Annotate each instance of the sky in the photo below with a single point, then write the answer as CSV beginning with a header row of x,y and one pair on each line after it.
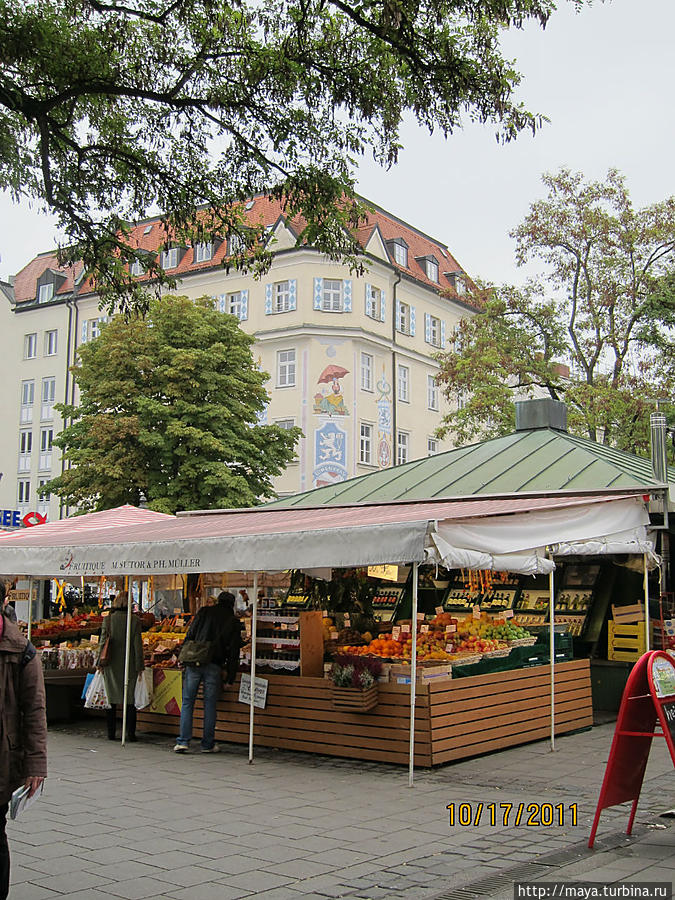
x,y
603,76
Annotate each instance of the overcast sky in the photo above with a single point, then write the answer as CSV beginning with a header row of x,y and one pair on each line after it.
x,y
603,76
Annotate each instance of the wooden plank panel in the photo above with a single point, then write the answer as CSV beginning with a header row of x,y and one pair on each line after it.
x,y
513,698
500,678
470,687
477,714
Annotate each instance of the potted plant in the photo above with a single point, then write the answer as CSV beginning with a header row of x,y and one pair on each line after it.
x,y
354,683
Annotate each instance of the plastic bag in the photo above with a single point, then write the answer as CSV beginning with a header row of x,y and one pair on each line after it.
x,y
143,692
97,698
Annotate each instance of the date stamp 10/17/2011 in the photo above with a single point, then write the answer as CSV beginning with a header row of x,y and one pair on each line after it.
x,y
532,815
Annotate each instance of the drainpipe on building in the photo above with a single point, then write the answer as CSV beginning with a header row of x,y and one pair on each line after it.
x,y
394,385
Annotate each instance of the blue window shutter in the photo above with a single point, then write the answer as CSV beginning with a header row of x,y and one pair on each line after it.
x,y
268,299
244,306
413,321
368,299
347,295
427,328
318,292
293,293
83,332
383,313
222,303
442,334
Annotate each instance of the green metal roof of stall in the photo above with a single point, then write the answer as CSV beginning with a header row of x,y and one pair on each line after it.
x,y
533,461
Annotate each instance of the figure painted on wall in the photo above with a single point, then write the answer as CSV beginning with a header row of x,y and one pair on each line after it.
x,y
330,402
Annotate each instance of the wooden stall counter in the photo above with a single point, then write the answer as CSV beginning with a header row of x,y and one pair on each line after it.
x,y
453,719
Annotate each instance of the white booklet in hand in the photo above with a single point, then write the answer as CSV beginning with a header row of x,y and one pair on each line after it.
x,y
21,801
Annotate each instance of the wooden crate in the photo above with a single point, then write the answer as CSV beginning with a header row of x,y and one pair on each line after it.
x,y
628,615
626,643
354,699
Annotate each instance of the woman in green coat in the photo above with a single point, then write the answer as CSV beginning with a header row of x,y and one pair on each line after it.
x,y
115,628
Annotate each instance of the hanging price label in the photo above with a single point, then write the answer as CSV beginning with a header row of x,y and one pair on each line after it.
x,y
476,612
420,617
405,629
177,610
63,645
450,629
439,610
324,613
180,623
333,635
395,632
508,613
424,629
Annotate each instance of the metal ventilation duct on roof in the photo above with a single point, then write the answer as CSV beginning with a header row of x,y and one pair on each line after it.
x,y
545,413
657,425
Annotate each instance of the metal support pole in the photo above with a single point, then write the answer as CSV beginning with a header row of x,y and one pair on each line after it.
x,y
30,606
127,649
551,619
254,630
413,676
645,579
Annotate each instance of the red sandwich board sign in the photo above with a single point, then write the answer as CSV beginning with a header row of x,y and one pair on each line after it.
x,y
648,699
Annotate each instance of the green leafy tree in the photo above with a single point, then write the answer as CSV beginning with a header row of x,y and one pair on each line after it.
x,y
596,331
109,110
169,409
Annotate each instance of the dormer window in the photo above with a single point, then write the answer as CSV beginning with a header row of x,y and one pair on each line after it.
x,y
136,268
170,258
235,244
45,292
399,250
203,252
429,265
458,282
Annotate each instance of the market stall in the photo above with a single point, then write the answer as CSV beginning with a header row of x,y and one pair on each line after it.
x,y
400,534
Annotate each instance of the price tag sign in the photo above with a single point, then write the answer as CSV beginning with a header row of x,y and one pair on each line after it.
x,y
405,629
508,613
333,635
420,617
94,639
439,610
324,613
180,623
348,622
395,632
449,648
450,629
63,645
177,610
284,626
476,612
424,629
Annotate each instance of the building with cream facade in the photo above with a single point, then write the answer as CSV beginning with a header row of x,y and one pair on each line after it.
x,y
350,357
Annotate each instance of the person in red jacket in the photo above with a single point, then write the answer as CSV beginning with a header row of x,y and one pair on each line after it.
x,y
23,736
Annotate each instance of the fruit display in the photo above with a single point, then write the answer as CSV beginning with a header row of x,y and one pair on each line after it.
x,y
66,627
173,625
82,655
161,648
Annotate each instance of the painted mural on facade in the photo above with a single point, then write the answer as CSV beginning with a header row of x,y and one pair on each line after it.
x,y
329,400
330,455
384,422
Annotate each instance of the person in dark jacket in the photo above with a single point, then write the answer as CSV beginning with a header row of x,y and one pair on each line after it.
x,y
115,628
23,732
219,625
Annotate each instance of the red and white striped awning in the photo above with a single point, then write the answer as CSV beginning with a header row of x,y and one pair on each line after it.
x,y
129,541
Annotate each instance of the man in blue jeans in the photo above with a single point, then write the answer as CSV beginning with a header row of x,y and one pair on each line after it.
x,y
218,625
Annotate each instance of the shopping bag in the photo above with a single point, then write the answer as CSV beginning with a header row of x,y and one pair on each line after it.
x,y
97,697
143,693
87,681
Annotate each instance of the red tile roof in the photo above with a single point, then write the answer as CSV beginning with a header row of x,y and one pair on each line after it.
x,y
265,211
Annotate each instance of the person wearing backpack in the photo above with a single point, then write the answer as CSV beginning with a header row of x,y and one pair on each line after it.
x,y
23,732
212,642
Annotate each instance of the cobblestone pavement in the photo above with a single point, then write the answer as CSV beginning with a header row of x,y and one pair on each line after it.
x,y
142,823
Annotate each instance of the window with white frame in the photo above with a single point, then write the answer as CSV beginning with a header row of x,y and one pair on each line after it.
x,y
44,496
366,372
434,331
233,304
404,384
23,491
366,444
46,292
403,318
331,299
169,259
51,342
25,450
286,424
432,446
235,244
46,440
203,251
136,268
402,447
30,346
27,400
94,328
48,395
281,297
285,368
401,254
432,270
432,393
373,302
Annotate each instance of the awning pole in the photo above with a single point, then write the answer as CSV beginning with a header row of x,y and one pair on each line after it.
x,y
551,639
413,676
254,630
30,606
646,589
126,664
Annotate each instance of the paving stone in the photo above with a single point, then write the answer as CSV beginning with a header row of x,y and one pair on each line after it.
x,y
231,865
216,891
57,866
256,881
186,876
70,882
139,888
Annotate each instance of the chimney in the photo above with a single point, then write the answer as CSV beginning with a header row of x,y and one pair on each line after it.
x,y
545,413
657,425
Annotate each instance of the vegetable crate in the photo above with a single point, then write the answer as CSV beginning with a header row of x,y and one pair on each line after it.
x,y
626,643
